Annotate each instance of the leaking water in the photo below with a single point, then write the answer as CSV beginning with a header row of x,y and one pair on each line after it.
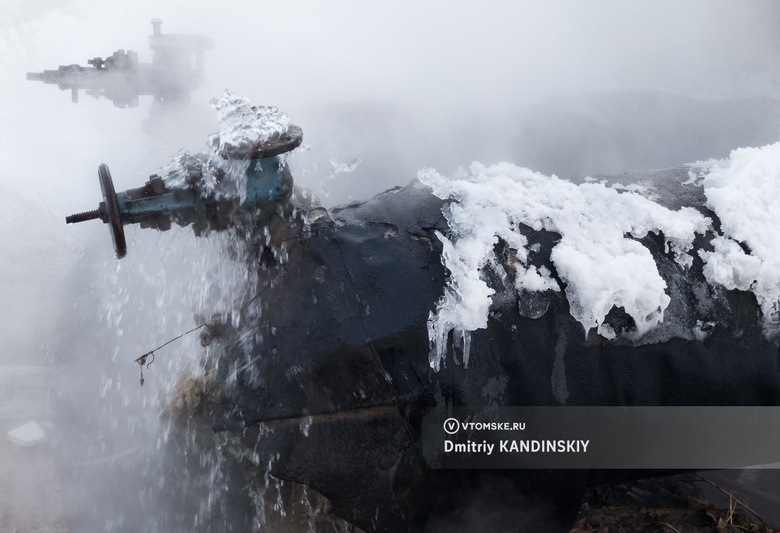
x,y
150,427
151,444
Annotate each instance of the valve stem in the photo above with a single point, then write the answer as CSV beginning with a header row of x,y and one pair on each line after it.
x,y
82,217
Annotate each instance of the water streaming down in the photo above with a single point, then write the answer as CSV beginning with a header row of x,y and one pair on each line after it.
x,y
151,427
152,437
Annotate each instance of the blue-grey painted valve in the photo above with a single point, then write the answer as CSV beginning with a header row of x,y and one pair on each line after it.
x,y
155,205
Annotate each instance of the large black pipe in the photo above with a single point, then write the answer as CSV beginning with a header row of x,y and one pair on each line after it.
x,y
340,345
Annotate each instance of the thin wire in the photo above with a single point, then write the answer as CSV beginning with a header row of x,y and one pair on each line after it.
x,y
141,361
151,352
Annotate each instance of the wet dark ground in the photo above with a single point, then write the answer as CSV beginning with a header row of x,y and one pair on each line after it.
x,y
723,501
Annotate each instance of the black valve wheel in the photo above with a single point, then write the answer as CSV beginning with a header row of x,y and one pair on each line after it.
x,y
112,216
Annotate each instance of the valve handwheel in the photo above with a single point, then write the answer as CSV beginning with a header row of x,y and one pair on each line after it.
x,y
107,211
111,216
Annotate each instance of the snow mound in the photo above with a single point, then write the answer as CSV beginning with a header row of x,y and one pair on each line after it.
x,y
598,257
744,192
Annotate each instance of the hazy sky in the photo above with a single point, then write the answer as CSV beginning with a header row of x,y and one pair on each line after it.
x,y
298,54
404,50
294,54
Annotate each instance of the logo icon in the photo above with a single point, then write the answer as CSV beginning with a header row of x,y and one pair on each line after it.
x,y
451,426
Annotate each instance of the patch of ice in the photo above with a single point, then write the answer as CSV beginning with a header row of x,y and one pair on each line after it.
x,y
305,424
638,188
184,169
240,124
28,434
339,167
744,192
693,178
598,256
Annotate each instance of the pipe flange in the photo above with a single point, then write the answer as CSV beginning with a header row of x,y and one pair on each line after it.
x,y
288,141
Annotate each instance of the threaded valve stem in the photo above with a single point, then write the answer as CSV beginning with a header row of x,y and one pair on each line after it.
x,y
82,217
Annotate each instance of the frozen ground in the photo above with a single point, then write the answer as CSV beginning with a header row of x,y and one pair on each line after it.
x,y
30,489
35,254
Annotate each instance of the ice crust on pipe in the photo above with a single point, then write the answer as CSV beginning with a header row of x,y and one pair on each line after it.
x,y
240,124
598,256
744,193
